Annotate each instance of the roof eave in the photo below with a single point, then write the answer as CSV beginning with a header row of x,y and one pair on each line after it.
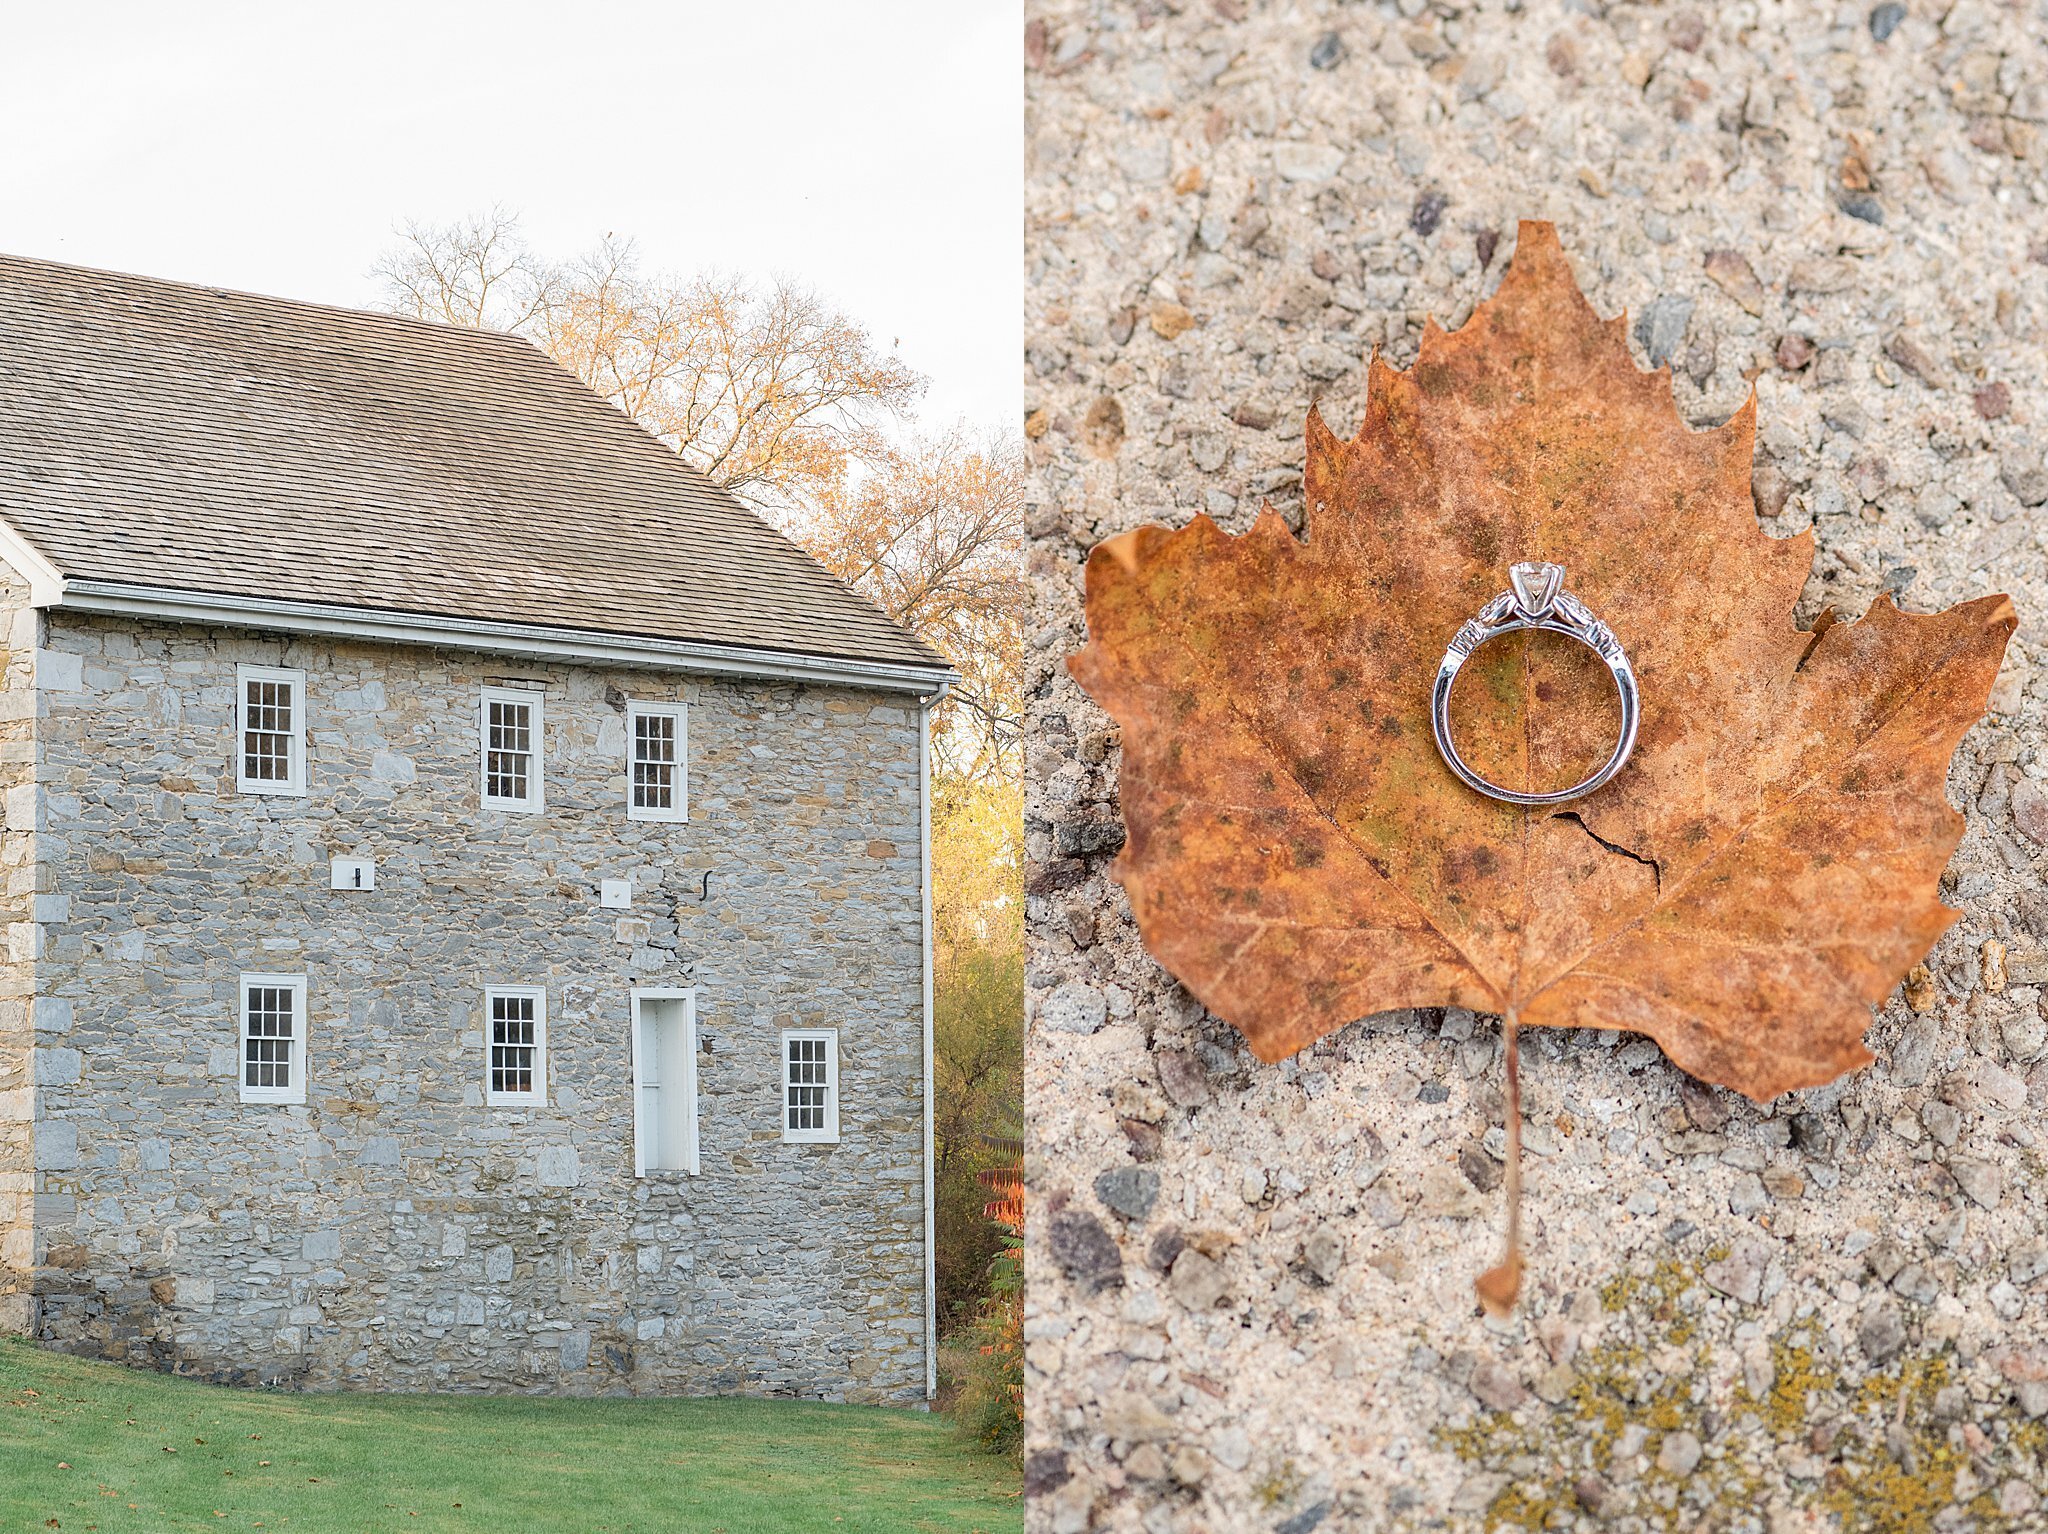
x,y
216,609
45,580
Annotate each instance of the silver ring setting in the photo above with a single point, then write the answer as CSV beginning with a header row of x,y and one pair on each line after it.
x,y
1537,600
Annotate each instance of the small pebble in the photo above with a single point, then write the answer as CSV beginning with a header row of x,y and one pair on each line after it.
x,y
1324,1253
1496,1386
1794,352
1991,965
1232,1448
1198,1282
1045,1471
1480,1169
1680,1454
1661,327
1739,1275
1983,1181
1885,20
1084,1250
1129,1190
1429,212
1882,1332
1181,1074
1304,1522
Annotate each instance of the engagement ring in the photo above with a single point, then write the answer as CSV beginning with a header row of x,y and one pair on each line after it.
x,y
1538,601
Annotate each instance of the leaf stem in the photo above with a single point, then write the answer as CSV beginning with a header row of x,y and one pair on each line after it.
x,y
1500,1286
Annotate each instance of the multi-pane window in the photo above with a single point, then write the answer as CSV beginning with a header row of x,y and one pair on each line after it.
x,y
273,1012
810,1084
270,721
511,742
518,1042
657,743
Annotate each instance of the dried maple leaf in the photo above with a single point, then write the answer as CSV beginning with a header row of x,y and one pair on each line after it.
x,y
1761,873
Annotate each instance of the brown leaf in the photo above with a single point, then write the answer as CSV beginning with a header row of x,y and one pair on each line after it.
x,y
1761,873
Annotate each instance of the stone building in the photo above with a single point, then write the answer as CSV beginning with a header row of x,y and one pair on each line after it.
x,y
465,877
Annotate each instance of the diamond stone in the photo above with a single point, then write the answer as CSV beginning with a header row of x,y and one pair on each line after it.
x,y
1536,584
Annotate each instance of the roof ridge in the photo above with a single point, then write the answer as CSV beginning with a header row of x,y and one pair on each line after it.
x,y
218,290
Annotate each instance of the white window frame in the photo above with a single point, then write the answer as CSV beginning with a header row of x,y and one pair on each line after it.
x,y
295,784
536,786
691,1159
538,1097
680,712
295,1092
829,1135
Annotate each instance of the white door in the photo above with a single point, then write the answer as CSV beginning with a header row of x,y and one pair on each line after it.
x,y
664,1081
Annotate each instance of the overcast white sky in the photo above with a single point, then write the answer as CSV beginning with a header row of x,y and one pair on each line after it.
x,y
871,148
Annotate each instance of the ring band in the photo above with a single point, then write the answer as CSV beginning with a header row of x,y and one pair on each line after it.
x,y
1538,600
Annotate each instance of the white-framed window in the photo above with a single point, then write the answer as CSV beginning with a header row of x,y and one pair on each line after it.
x,y
509,745
515,1045
657,761
270,730
273,1030
664,1080
810,1086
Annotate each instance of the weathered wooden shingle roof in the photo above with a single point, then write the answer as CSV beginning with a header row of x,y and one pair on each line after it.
x,y
166,435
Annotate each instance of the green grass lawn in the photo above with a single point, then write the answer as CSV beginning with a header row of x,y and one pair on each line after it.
x,y
96,1446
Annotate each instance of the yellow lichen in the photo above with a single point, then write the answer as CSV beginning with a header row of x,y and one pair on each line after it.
x,y
1888,1465
1280,1485
1797,1375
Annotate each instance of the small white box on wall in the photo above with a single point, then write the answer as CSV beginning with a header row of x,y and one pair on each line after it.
x,y
615,894
352,874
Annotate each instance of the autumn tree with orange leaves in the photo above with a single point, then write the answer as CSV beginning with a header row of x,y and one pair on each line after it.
x,y
788,404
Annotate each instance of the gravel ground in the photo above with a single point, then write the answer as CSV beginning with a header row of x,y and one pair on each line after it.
x,y
1251,1301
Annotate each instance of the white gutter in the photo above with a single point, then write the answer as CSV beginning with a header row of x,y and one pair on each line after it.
x,y
931,1278
176,606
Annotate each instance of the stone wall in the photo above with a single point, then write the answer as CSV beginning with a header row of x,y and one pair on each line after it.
x,y
20,625
395,1232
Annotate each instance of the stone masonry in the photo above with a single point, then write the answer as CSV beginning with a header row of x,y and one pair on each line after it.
x,y
394,1232
17,884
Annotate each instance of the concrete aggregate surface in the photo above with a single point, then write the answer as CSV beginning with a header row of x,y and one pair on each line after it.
x,y
1250,1285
